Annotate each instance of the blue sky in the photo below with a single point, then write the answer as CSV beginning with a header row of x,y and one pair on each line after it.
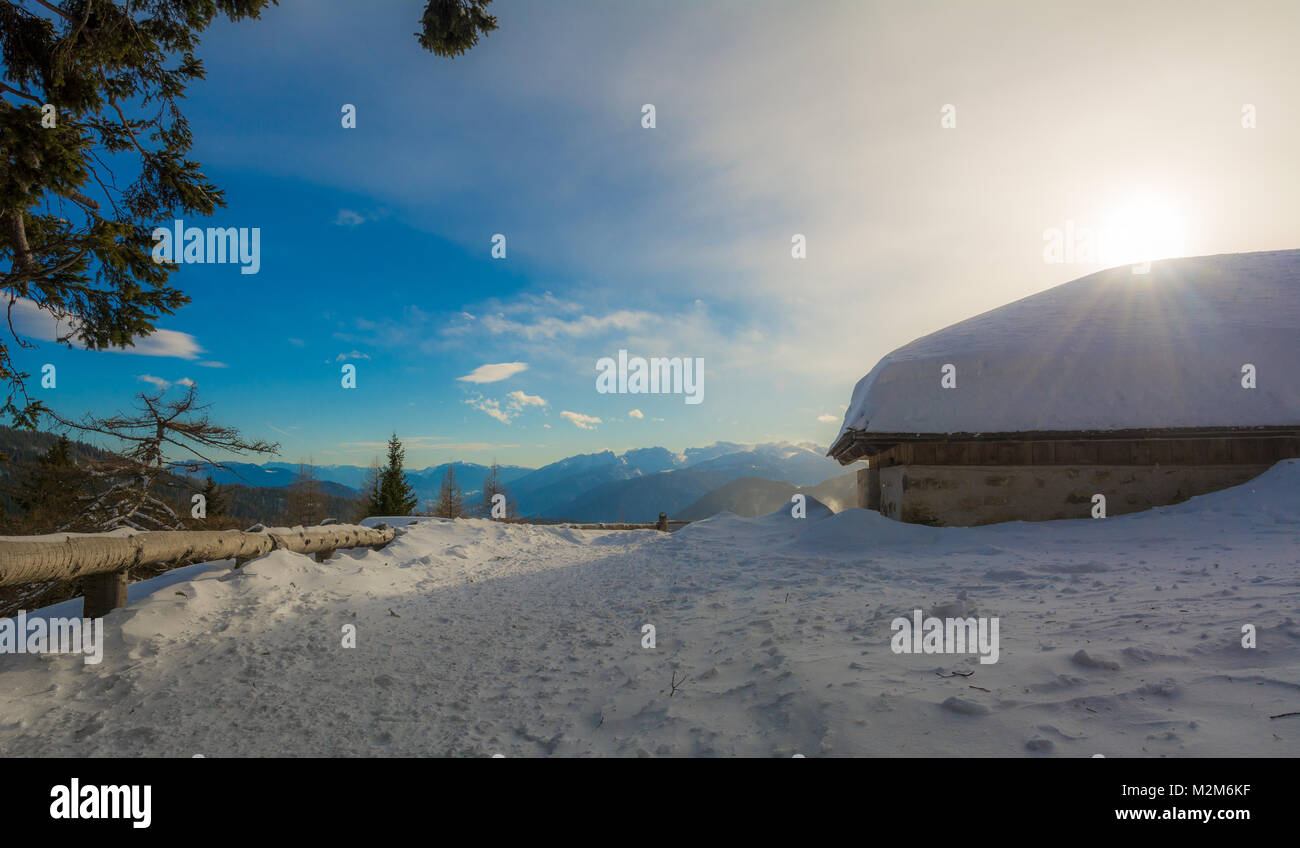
x,y
772,119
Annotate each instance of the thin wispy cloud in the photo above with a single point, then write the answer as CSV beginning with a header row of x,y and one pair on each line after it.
x,y
582,422
518,400
582,326
493,373
490,407
33,322
508,410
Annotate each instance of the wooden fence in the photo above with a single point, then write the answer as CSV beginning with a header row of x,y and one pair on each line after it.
x,y
662,524
103,561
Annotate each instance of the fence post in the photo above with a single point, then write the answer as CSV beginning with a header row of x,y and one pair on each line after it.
x,y
103,593
663,522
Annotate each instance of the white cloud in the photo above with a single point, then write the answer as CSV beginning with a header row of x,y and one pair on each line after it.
x,y
185,381
32,321
493,373
514,405
355,354
519,400
156,382
636,413
550,327
491,407
348,218
827,419
212,363
164,343
582,422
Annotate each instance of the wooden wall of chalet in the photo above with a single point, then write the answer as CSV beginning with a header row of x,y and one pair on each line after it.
x,y
1230,450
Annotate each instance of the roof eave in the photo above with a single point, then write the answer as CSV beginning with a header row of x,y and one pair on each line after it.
x,y
853,445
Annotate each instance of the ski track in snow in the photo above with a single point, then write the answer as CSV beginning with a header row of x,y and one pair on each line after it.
x,y
475,638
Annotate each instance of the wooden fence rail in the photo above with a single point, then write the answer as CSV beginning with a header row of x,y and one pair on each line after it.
x,y
662,524
103,561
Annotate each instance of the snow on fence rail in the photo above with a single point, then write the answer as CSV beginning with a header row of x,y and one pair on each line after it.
x,y
104,560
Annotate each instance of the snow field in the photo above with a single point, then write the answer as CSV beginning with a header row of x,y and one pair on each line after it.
x,y
1119,636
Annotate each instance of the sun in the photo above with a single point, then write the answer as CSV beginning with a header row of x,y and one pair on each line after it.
x,y
1143,228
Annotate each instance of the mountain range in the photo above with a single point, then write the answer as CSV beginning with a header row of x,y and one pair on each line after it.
x,y
632,486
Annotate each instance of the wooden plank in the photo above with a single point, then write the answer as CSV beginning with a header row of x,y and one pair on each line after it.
x,y
855,444
1218,450
1113,453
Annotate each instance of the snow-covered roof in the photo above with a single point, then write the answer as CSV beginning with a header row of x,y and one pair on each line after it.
x,y
1113,350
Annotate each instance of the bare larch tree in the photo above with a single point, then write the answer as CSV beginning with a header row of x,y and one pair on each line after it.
x,y
159,441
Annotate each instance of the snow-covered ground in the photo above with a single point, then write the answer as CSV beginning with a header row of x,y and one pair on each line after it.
x,y
1119,636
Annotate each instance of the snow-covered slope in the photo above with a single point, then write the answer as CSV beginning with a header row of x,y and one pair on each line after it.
x,y
1112,350
1120,636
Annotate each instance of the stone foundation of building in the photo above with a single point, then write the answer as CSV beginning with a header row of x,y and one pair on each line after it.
x,y
966,495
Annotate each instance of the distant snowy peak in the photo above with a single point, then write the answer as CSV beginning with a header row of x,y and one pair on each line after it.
x,y
652,460
773,450
1179,346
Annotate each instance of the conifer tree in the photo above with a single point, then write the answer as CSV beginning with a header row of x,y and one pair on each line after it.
x,y
393,493
48,493
91,91
451,27
214,499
